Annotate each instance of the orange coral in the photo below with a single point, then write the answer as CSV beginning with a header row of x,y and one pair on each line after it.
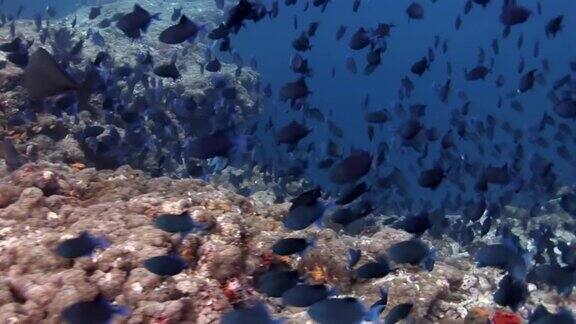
x,y
479,312
501,317
78,166
318,274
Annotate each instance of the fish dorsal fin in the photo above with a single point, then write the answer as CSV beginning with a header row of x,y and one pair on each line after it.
x,y
184,20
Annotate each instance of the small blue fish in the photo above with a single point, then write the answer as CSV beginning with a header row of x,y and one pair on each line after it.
x,y
97,39
276,282
353,257
178,223
92,312
542,316
83,245
398,313
289,246
413,252
304,295
373,270
256,313
165,265
342,310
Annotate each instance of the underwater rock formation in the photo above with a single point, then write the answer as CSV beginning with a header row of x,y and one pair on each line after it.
x,y
43,204
47,137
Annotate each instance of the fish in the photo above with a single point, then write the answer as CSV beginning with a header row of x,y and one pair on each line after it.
x,y
176,14
420,67
554,26
413,252
165,265
340,32
414,224
511,292
178,223
83,245
541,315
9,153
513,14
213,66
360,39
305,295
373,270
168,70
293,91
527,81
292,133
184,30
289,246
302,43
341,310
275,282
99,310
415,11
134,23
94,13
255,313
352,168
398,313
477,73
352,194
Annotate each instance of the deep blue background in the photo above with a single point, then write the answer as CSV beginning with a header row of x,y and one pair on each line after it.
x,y
270,43
31,7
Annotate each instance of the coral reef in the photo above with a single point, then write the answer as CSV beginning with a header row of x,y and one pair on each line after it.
x,y
43,204
36,139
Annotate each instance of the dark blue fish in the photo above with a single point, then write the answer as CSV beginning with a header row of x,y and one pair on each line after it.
x,y
302,216
292,133
134,23
83,245
511,292
352,168
97,311
345,310
9,153
353,257
413,252
373,270
304,295
289,246
165,265
414,224
398,313
276,282
415,11
184,30
257,314
541,315
352,194
178,223
217,144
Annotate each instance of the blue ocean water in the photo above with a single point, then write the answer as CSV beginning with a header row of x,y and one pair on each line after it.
x,y
269,42
62,7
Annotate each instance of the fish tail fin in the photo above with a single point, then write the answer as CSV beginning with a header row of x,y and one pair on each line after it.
x,y
373,314
311,244
102,242
428,263
121,310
